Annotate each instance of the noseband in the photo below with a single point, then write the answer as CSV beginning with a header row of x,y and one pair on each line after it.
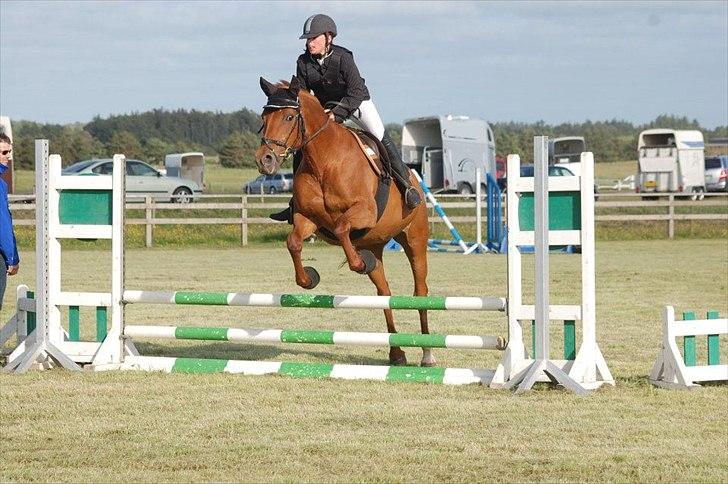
x,y
288,150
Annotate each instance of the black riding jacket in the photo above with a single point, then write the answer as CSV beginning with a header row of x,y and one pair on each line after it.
x,y
337,79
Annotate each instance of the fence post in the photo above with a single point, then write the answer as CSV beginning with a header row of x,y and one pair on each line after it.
x,y
671,215
244,222
148,227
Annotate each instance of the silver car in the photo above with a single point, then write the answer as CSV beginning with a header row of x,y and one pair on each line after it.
x,y
716,173
142,180
280,182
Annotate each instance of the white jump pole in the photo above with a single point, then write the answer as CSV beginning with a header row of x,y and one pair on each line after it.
x,y
478,247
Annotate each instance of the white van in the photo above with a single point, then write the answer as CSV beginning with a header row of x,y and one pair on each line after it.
x,y
671,160
447,150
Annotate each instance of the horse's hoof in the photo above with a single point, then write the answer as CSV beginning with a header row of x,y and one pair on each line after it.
x,y
370,261
428,364
313,275
397,357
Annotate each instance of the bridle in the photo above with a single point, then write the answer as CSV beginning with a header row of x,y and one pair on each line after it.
x,y
288,150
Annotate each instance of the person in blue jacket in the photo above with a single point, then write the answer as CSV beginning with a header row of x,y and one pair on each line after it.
x,y
9,259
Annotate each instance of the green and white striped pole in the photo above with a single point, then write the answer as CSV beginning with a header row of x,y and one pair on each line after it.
x,y
445,376
317,301
316,337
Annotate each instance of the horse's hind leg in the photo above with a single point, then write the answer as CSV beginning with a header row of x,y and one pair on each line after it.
x,y
396,355
414,242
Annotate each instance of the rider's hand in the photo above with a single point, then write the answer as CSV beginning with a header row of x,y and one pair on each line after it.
x,y
331,116
12,270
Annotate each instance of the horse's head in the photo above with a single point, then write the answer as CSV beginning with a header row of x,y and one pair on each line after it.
x,y
282,131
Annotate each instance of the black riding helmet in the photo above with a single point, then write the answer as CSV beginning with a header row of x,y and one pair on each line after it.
x,y
318,24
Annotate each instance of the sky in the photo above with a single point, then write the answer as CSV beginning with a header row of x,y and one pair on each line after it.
x,y
67,61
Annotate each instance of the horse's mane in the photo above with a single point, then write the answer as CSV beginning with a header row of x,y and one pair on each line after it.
x,y
283,84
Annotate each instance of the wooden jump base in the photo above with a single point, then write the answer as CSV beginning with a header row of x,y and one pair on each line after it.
x,y
673,370
93,207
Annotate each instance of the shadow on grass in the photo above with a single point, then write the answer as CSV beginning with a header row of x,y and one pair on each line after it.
x,y
231,351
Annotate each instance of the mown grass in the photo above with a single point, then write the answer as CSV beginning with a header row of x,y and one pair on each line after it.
x,y
61,426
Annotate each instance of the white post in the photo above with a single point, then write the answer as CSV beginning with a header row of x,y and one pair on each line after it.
x,y
40,348
478,247
542,364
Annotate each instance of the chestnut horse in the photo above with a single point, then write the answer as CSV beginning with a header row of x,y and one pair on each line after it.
x,y
334,195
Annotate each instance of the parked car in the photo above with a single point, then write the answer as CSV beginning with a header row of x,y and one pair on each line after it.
x,y
280,182
716,173
554,170
142,180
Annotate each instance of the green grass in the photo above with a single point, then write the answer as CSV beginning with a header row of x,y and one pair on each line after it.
x,y
615,170
63,426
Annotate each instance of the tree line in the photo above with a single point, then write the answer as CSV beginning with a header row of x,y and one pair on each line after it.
x,y
233,137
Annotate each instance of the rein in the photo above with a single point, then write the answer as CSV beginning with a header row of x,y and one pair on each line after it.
x,y
288,150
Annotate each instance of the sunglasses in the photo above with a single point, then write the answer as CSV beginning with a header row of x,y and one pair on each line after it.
x,y
5,152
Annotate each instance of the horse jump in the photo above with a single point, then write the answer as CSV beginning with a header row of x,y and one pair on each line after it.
x,y
52,344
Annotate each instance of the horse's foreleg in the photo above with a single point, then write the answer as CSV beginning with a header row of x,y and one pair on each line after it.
x,y
358,216
303,228
415,246
396,355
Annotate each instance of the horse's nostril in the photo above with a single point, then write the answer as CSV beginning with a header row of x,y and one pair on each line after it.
x,y
268,159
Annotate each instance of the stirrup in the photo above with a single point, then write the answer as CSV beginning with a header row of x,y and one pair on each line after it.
x,y
285,215
412,197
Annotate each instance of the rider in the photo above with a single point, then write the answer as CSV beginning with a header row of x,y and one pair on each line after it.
x,y
330,72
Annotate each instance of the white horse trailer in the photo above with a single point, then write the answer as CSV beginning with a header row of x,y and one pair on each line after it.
x,y
447,151
671,160
187,165
566,151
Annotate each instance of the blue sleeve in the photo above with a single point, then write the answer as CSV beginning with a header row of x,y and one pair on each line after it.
x,y
8,247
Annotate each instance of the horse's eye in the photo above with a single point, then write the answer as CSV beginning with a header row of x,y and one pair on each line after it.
x,y
289,117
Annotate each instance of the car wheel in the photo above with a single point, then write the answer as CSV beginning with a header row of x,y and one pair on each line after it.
x,y
465,189
272,190
182,195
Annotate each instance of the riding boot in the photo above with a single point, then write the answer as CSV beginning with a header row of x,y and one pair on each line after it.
x,y
286,215
401,173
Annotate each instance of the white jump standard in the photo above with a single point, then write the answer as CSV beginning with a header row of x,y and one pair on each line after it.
x,y
673,370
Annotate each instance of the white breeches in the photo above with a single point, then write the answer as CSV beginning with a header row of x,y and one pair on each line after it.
x,y
368,114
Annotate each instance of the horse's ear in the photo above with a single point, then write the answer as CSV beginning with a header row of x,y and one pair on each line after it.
x,y
267,87
295,85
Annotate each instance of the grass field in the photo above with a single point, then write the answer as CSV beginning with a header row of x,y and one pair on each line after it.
x,y
63,426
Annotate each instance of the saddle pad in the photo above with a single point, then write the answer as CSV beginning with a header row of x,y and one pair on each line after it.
x,y
369,152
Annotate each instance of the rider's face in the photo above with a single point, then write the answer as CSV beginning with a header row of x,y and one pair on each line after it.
x,y
316,45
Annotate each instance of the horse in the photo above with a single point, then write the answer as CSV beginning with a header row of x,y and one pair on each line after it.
x,y
334,197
